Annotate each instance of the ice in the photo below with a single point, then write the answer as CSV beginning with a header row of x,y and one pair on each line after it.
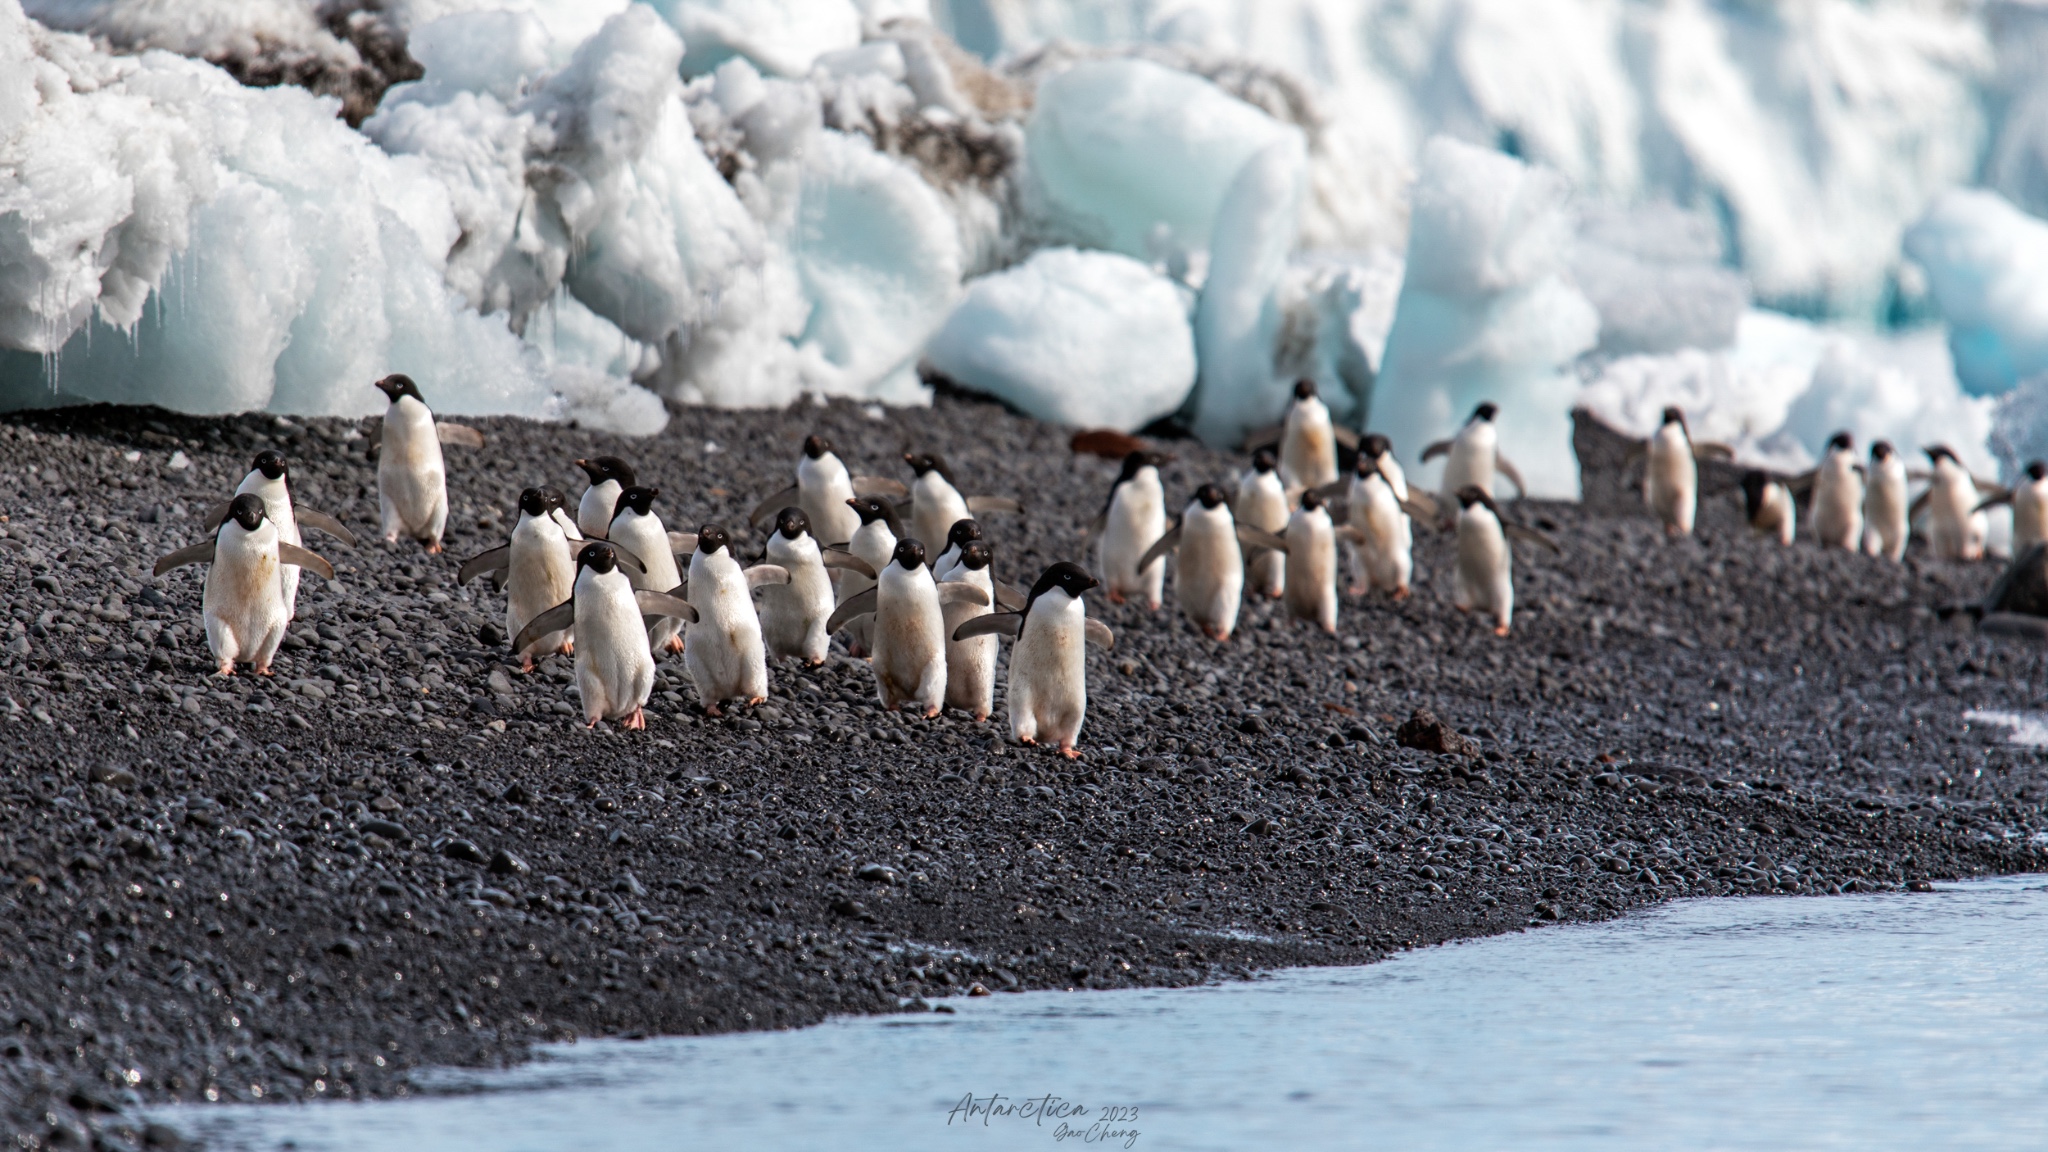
x,y
1091,339
1987,266
1486,314
1238,319
1655,275
780,36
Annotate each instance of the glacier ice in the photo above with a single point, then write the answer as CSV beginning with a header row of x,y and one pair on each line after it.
x,y
1486,313
1987,267
1091,339
780,36
1656,276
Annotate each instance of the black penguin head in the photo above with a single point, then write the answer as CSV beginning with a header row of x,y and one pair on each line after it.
x,y
1066,576
1674,416
603,468
923,462
1472,494
1881,450
816,446
975,555
1265,460
598,557
871,509
1133,461
1841,442
1211,495
1304,389
962,533
534,502
1486,411
247,510
1937,452
639,499
1311,500
1754,484
792,523
399,384
710,538
1371,447
909,555
2036,469
270,462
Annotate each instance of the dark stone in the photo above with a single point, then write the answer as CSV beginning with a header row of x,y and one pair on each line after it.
x,y
456,848
346,947
490,635
504,863
1423,730
879,873
517,794
389,830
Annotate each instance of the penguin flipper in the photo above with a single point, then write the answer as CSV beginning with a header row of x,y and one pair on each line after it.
x,y
1440,448
1099,525
850,609
200,553
992,624
767,509
460,435
1801,484
993,504
293,554
837,557
1010,597
1098,633
2013,624
655,605
1335,489
1339,510
961,592
1507,468
215,515
880,486
1918,506
1345,437
762,575
1532,536
1999,492
682,543
1417,510
1252,537
1350,535
1263,438
555,619
2001,497
627,557
1160,547
1713,450
314,519
495,560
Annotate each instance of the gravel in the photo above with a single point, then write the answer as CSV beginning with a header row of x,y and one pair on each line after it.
x,y
400,851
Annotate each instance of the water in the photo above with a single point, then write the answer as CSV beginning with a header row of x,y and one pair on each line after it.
x,y
1906,1021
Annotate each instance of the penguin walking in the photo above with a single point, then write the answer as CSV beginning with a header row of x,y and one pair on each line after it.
x,y
958,537
874,542
823,486
1311,549
1047,696
724,651
614,665
537,569
635,526
909,633
243,602
270,479
1886,526
793,615
1485,569
1671,481
970,663
1134,517
1209,571
1838,496
1307,441
1767,501
1262,503
936,501
1475,456
1956,528
2029,500
412,477
609,476
1381,510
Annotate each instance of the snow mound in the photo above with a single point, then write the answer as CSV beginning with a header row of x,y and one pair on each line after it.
x,y
1987,266
1091,339
1656,277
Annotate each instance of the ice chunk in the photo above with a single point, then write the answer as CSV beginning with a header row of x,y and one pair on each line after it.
x,y
1485,314
1126,152
1655,275
494,51
781,36
1238,321
1092,339
1866,388
1336,309
1987,265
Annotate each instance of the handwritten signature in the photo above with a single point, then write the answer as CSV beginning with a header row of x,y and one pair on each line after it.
x,y
1071,1121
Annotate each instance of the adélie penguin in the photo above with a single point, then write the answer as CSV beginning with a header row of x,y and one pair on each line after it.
x,y
1475,455
537,569
2029,500
609,476
1767,502
874,542
1886,525
1134,517
1381,509
1047,695
243,602
614,665
909,631
1485,579
1311,546
970,663
1307,441
636,526
793,615
1262,503
412,477
1209,571
959,536
936,501
1671,480
1955,527
823,486
1838,496
724,651
270,479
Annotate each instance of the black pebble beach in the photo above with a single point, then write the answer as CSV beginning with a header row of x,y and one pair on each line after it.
x,y
399,851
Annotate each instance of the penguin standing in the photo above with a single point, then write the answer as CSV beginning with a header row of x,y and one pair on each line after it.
x,y
1671,481
540,566
609,476
412,477
270,479
874,542
614,665
1262,503
1380,509
1208,575
724,652
936,501
793,615
635,526
823,486
1955,527
1485,570
243,602
1047,697
1886,526
1838,496
958,537
1307,441
1312,561
1767,501
970,663
909,632
2029,500
1475,455
1134,517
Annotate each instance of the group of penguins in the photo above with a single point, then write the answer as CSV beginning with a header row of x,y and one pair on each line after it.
x,y
605,584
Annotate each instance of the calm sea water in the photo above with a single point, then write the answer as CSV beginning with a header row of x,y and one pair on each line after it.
x,y
1907,1021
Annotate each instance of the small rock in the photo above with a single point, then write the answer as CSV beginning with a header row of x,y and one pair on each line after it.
x,y
517,794
48,583
976,989
113,775
386,803
1252,726
457,848
346,947
490,636
1424,731
389,830
499,682
879,873
845,907
1919,886
630,885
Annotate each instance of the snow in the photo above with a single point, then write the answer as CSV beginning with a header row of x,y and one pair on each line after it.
x,y
1655,274
1090,339
780,36
1987,266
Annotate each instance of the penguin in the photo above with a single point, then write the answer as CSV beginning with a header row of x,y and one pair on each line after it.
x,y
909,635
970,663
537,569
1311,550
1134,517
1485,567
959,536
614,665
724,651
412,477
243,602
1307,441
874,542
1047,696
635,526
270,478
2029,500
609,476
1475,455
823,486
1838,496
1955,527
1671,480
1208,574
793,615
1886,526
936,502
1262,503
1381,511
1767,501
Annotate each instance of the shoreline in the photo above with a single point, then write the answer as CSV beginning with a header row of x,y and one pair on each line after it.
x,y
199,899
